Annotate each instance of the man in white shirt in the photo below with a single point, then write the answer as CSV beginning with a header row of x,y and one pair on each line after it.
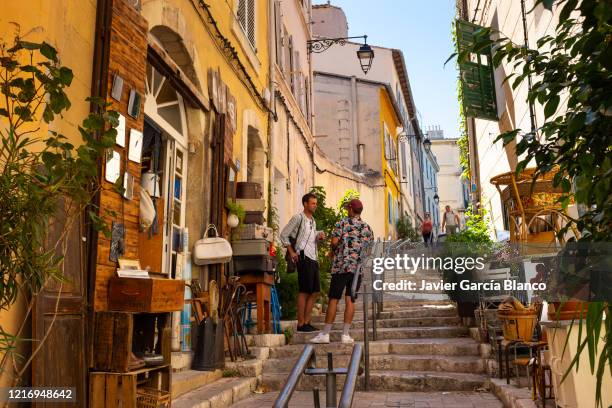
x,y
302,229
450,221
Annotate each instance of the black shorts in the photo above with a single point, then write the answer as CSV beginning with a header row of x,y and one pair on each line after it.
x,y
308,275
342,282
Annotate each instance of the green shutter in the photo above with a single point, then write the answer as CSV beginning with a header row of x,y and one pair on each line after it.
x,y
477,80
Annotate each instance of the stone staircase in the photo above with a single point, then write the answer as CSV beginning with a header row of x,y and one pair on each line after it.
x,y
222,388
422,353
420,346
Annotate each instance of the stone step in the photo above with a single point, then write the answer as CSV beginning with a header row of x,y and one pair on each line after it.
x,y
460,364
362,399
462,346
189,380
401,322
395,314
219,394
391,381
386,333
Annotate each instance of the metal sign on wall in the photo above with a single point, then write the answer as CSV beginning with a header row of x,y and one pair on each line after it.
x,y
476,75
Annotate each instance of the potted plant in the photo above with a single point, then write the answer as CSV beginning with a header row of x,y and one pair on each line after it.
x,y
236,214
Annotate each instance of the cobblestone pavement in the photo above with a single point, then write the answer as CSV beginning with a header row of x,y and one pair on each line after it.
x,y
303,399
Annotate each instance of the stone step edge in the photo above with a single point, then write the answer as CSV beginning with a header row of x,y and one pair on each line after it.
x,y
231,390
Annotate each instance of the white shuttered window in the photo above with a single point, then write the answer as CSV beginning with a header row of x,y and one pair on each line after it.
x,y
246,18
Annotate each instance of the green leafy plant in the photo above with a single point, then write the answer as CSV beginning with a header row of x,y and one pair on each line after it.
x,y
405,229
477,229
46,181
237,210
462,142
288,332
349,195
575,139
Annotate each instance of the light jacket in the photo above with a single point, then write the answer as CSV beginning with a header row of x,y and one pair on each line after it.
x,y
292,227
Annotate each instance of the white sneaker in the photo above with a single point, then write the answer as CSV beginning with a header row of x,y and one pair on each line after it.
x,y
346,339
321,338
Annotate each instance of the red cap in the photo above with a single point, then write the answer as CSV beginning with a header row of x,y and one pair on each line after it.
x,y
355,204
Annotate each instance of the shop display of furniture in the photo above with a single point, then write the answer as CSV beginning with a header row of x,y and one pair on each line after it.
x,y
259,285
118,334
150,295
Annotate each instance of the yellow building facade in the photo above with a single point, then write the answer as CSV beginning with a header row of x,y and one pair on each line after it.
x,y
202,71
389,122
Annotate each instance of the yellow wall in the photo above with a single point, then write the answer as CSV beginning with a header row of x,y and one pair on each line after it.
x,y
68,25
186,18
389,118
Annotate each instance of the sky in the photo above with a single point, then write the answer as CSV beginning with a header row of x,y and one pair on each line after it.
x,y
422,30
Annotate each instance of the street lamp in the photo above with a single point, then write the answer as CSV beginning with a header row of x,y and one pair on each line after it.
x,y
365,54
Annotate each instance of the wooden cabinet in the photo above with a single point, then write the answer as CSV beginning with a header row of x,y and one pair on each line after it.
x,y
118,334
146,295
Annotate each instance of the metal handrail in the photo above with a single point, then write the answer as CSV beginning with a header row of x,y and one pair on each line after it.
x,y
350,383
305,359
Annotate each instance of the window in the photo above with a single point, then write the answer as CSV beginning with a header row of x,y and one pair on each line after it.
x,y
279,33
246,18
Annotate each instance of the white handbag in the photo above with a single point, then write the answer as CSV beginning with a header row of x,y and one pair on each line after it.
x,y
147,210
211,250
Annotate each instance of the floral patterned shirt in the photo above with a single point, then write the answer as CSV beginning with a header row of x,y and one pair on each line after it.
x,y
352,233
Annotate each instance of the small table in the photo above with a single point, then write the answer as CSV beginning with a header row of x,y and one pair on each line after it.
x,y
261,283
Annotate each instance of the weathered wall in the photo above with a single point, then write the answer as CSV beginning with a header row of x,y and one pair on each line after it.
x,y
68,25
337,180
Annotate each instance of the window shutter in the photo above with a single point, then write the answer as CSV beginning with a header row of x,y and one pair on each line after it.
x,y
241,15
289,58
295,78
251,21
279,33
476,74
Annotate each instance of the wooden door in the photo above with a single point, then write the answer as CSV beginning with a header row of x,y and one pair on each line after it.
x,y
60,313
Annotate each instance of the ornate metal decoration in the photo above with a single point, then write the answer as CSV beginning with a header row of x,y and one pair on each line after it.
x,y
322,44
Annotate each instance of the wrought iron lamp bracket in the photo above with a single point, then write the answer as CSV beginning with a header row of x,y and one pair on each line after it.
x,y
323,44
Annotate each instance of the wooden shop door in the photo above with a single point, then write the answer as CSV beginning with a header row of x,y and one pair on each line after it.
x,y
60,311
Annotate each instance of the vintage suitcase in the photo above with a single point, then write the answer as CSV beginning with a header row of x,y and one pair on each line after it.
x,y
146,295
251,247
254,264
248,189
252,204
254,217
254,231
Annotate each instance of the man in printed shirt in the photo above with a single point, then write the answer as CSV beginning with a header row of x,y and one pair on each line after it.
x,y
348,238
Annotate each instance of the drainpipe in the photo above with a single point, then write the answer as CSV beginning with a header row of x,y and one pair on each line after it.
x,y
99,87
272,85
354,129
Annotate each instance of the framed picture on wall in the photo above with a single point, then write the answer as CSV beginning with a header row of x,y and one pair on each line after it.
x,y
222,96
232,111
120,139
134,104
135,149
230,185
213,87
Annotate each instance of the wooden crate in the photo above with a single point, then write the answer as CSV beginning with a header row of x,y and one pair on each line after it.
x,y
112,341
146,295
112,390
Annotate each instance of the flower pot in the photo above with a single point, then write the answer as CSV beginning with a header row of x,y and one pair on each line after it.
x,y
233,220
569,310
